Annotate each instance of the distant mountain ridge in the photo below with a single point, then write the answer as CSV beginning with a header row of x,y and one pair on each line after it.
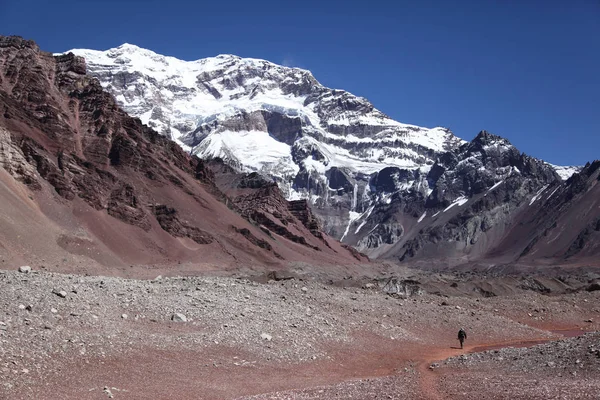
x,y
392,190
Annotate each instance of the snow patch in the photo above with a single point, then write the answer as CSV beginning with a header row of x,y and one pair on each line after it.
x,y
495,186
257,149
537,195
353,216
458,202
565,172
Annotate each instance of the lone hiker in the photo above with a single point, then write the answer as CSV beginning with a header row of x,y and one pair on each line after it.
x,y
462,335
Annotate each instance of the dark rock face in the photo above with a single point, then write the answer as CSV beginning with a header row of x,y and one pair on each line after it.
x,y
467,201
266,207
256,241
593,287
284,128
168,220
301,210
124,205
339,180
63,135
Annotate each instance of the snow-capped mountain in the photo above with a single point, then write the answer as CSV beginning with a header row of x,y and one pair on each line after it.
x,y
259,115
369,179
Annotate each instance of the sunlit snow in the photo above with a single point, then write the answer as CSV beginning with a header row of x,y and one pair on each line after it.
x,y
458,202
537,195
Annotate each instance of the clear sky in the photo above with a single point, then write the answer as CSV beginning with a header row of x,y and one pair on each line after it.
x,y
528,70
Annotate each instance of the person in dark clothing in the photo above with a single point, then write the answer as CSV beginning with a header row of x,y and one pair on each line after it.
x,y
462,335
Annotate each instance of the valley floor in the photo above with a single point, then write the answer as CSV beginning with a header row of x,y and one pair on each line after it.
x,y
81,337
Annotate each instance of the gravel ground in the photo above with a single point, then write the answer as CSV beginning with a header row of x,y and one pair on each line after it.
x,y
395,387
296,338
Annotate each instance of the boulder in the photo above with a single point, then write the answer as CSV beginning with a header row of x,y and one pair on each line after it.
x,y
178,317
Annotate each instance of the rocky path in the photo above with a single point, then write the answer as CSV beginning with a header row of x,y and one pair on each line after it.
x,y
429,373
428,376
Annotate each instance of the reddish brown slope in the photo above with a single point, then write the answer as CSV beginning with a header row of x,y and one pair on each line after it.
x,y
90,186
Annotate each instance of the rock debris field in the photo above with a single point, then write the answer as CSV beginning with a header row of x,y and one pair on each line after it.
x,y
78,337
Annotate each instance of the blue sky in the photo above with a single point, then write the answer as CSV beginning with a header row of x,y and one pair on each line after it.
x,y
527,70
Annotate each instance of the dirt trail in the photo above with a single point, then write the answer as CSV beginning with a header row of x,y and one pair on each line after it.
x,y
145,372
429,377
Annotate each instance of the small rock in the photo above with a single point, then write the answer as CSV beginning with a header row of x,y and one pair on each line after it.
x,y
25,370
29,307
304,289
369,286
124,316
21,306
108,392
25,269
53,310
60,293
589,320
178,317
458,308
266,336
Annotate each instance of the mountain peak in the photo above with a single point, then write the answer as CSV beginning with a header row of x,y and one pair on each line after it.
x,y
128,46
178,98
485,138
